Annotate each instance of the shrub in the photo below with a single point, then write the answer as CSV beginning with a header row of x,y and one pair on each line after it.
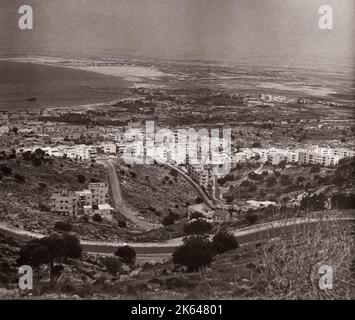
x,y
197,227
81,178
36,162
224,241
196,215
170,219
174,173
63,226
127,254
315,169
122,224
112,265
6,171
195,253
97,218
19,178
270,182
251,218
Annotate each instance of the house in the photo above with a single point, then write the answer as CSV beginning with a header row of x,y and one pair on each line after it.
x,y
64,202
220,216
104,210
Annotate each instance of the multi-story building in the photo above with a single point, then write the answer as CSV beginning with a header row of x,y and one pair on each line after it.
x,y
64,202
99,192
83,198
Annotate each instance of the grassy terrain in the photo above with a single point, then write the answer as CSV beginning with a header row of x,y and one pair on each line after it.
x,y
154,191
25,204
277,182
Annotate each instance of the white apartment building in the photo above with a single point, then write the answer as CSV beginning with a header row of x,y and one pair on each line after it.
x,y
309,157
81,152
64,202
108,148
104,210
99,192
88,201
83,198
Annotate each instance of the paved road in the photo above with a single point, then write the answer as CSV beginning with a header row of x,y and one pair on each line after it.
x,y
264,231
202,193
119,201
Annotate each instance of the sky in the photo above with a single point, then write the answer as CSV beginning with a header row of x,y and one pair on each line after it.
x,y
183,29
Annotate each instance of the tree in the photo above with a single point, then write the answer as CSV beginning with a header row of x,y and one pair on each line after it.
x,y
81,178
40,153
174,173
315,168
256,144
170,219
6,171
251,218
97,218
127,254
112,265
198,200
195,253
35,254
196,215
270,182
19,178
122,224
71,246
198,226
224,241
36,162
60,247
63,226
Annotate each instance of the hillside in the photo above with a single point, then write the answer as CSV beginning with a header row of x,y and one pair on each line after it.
x,y
280,269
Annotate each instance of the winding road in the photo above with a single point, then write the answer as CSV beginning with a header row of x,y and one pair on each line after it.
x,y
120,203
264,231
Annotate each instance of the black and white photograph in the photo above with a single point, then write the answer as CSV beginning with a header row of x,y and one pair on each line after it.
x,y
177,150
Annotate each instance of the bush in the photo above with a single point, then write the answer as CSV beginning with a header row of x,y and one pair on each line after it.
x,y
224,241
198,200
127,254
81,178
270,182
174,173
36,162
196,215
315,169
97,218
71,246
170,219
19,178
251,218
112,265
6,171
195,253
122,224
63,226
197,227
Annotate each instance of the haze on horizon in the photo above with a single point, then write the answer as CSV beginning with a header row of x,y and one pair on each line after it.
x,y
283,30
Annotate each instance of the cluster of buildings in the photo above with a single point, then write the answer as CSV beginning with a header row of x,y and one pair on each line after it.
x,y
314,155
87,202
